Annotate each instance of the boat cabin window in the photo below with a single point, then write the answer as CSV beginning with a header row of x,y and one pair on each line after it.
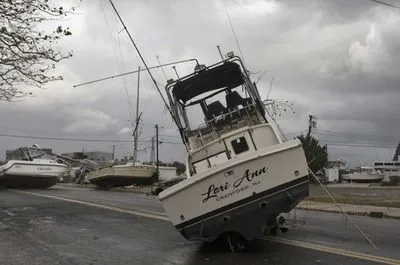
x,y
240,145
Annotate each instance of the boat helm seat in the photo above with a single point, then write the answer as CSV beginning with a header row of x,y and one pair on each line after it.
x,y
215,109
233,100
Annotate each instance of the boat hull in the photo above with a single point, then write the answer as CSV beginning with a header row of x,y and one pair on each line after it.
x,y
362,178
243,196
29,174
120,176
262,209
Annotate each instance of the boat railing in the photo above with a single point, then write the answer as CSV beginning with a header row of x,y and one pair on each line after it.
x,y
227,121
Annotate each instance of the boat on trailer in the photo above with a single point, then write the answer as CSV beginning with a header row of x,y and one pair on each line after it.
x,y
242,173
32,171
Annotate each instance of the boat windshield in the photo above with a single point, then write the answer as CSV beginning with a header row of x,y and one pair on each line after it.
x,y
213,105
34,152
214,96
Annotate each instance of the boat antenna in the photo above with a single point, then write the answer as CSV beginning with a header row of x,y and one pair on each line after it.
x,y
270,87
134,72
234,35
176,72
220,53
141,57
162,69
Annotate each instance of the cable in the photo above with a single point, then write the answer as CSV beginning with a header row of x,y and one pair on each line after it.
x,y
234,34
143,61
171,136
119,62
299,132
64,139
133,72
358,145
162,69
386,4
328,132
79,139
345,214
168,142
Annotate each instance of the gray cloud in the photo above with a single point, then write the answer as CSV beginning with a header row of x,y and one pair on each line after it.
x,y
335,59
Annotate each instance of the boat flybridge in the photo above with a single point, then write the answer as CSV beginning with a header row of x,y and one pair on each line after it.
x,y
242,174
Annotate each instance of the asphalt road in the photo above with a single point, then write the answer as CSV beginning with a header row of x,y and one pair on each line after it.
x,y
70,225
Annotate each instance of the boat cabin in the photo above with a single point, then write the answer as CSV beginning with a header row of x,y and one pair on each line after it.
x,y
219,113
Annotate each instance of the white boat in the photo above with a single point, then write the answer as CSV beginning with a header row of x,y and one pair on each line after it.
x,y
241,173
123,175
365,175
130,173
31,173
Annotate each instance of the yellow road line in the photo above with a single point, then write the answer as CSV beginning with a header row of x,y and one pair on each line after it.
x,y
336,251
121,210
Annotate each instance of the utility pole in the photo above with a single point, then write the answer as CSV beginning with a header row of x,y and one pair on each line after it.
x,y
113,153
311,123
157,147
152,154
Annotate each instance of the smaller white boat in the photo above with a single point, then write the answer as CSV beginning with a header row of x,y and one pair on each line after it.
x,y
365,175
131,173
32,172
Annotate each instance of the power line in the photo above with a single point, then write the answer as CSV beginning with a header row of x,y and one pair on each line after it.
x,y
171,136
168,142
79,139
358,145
328,132
292,133
64,139
386,4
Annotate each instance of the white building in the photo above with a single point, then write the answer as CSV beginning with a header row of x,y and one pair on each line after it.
x,y
388,168
332,174
167,173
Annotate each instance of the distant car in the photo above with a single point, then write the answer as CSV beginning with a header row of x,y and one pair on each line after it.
x,y
164,184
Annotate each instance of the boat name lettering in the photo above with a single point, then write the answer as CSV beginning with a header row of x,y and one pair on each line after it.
x,y
213,191
44,168
239,185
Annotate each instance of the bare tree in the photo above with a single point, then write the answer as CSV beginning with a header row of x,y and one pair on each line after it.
x,y
275,106
27,56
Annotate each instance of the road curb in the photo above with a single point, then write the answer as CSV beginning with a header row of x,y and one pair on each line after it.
x,y
386,215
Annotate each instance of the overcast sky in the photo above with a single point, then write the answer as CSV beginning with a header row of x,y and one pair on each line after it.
x,y
335,59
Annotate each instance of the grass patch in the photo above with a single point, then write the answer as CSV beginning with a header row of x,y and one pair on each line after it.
x,y
358,200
